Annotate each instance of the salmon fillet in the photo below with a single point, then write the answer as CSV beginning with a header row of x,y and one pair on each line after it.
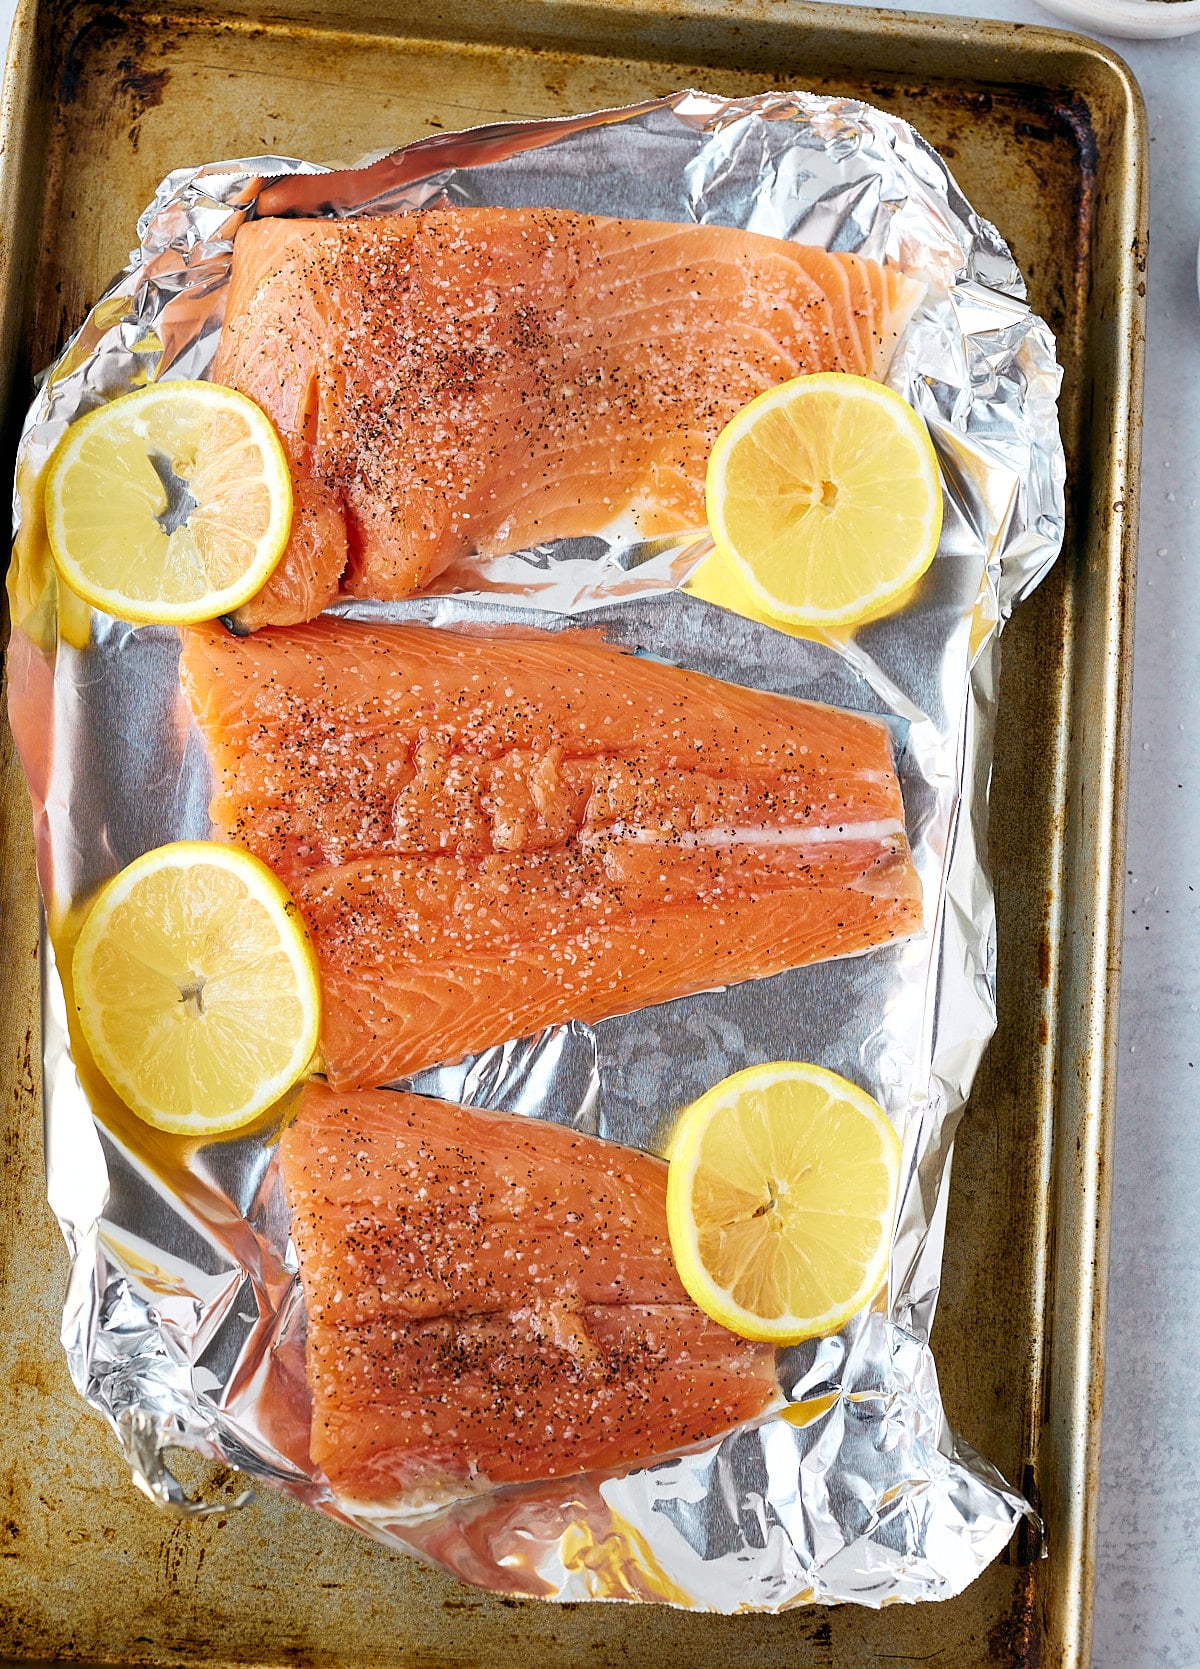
x,y
488,834
493,1300
479,380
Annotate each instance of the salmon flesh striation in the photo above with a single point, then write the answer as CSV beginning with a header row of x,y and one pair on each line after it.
x,y
489,833
479,380
492,1300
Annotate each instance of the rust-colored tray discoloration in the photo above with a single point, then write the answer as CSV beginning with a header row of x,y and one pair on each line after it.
x,y
1045,133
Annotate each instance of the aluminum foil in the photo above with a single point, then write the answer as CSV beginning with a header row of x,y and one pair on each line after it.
x,y
183,1321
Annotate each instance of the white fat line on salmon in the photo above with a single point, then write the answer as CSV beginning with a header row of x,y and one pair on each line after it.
x,y
874,834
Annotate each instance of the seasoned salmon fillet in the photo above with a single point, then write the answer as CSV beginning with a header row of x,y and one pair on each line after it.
x,y
493,1300
471,380
492,833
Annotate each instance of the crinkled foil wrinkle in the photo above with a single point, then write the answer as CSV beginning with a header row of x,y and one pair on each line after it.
x,y
177,1324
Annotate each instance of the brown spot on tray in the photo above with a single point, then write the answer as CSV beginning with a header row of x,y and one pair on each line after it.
x,y
144,87
1015,1639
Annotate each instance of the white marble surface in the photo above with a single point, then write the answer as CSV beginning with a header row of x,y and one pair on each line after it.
x,y
1148,1579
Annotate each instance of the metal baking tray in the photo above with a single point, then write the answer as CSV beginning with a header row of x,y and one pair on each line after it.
x,y
1046,134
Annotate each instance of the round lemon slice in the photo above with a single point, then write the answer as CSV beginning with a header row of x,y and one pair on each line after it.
x,y
170,504
824,498
781,1196
196,987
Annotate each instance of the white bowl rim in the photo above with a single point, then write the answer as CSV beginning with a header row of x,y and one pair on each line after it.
x,y
1136,19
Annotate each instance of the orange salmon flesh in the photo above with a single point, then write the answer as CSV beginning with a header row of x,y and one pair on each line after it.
x,y
478,380
492,1300
492,833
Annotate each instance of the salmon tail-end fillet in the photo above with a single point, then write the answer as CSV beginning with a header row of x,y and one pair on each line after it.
x,y
477,380
492,1300
489,834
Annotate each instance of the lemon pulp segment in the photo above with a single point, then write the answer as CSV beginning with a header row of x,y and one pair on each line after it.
x,y
824,499
196,987
171,504
780,1200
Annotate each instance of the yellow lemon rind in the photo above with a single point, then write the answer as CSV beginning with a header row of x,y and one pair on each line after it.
x,y
267,889
138,611
684,1153
862,605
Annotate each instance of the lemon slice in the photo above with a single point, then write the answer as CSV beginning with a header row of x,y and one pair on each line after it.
x,y
196,987
824,499
780,1201
170,504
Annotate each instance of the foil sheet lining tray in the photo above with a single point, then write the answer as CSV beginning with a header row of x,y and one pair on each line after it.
x,y
145,1360
186,1332
186,1329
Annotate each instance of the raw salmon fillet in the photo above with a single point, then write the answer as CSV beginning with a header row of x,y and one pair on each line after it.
x,y
488,834
479,380
493,1300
